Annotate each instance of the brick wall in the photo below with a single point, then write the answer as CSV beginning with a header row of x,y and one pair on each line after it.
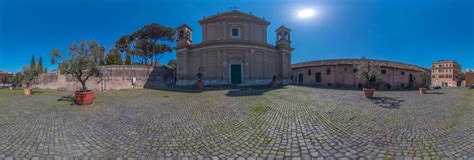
x,y
344,76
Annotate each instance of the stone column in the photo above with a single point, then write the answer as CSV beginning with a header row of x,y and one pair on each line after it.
x,y
225,66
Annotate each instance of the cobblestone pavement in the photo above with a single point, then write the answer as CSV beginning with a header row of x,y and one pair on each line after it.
x,y
294,121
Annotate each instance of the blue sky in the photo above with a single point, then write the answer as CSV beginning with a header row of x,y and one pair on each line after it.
x,y
411,31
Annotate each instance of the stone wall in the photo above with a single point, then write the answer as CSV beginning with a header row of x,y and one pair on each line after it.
x,y
112,78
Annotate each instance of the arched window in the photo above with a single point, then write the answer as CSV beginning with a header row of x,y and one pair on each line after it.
x,y
188,35
286,37
279,36
181,34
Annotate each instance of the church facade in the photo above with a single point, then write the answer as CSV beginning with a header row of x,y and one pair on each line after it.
x,y
233,51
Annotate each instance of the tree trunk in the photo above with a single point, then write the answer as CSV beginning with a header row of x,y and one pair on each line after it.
x,y
153,53
153,60
84,88
127,57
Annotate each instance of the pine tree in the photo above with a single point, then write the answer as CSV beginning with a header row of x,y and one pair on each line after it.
x,y
40,65
114,57
102,58
33,63
128,57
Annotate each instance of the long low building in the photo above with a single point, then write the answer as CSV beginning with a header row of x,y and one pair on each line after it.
x,y
342,73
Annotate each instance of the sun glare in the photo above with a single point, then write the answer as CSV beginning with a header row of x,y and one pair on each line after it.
x,y
306,13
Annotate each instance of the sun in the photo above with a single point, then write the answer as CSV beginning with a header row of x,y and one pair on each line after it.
x,y
306,13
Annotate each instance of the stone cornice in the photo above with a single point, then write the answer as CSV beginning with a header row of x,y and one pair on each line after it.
x,y
229,42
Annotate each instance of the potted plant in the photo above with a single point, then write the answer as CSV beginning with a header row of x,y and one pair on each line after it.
x,y
28,77
199,75
369,73
82,64
425,78
16,80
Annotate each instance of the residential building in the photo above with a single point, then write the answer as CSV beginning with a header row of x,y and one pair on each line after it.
x,y
468,78
342,73
446,73
5,77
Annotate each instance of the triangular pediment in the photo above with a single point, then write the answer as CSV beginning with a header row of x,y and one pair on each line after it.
x,y
234,15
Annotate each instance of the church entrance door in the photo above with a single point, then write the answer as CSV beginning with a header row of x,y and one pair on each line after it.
x,y
235,73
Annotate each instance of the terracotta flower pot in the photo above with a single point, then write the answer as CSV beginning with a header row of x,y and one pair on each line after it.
x,y
27,91
199,84
423,90
84,98
368,92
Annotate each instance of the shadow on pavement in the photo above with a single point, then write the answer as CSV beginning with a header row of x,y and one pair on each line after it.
x,y
434,93
34,92
192,89
67,99
232,91
250,91
387,102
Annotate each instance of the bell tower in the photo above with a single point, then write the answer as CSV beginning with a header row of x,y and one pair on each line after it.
x,y
283,40
184,37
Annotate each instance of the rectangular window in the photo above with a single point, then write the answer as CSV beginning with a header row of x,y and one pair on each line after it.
x,y
403,73
328,71
309,72
317,77
235,32
383,71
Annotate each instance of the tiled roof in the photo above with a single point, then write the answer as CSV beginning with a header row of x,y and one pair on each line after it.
x,y
381,63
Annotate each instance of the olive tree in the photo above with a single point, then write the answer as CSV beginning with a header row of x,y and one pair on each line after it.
x,y
82,61
424,77
367,72
29,76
